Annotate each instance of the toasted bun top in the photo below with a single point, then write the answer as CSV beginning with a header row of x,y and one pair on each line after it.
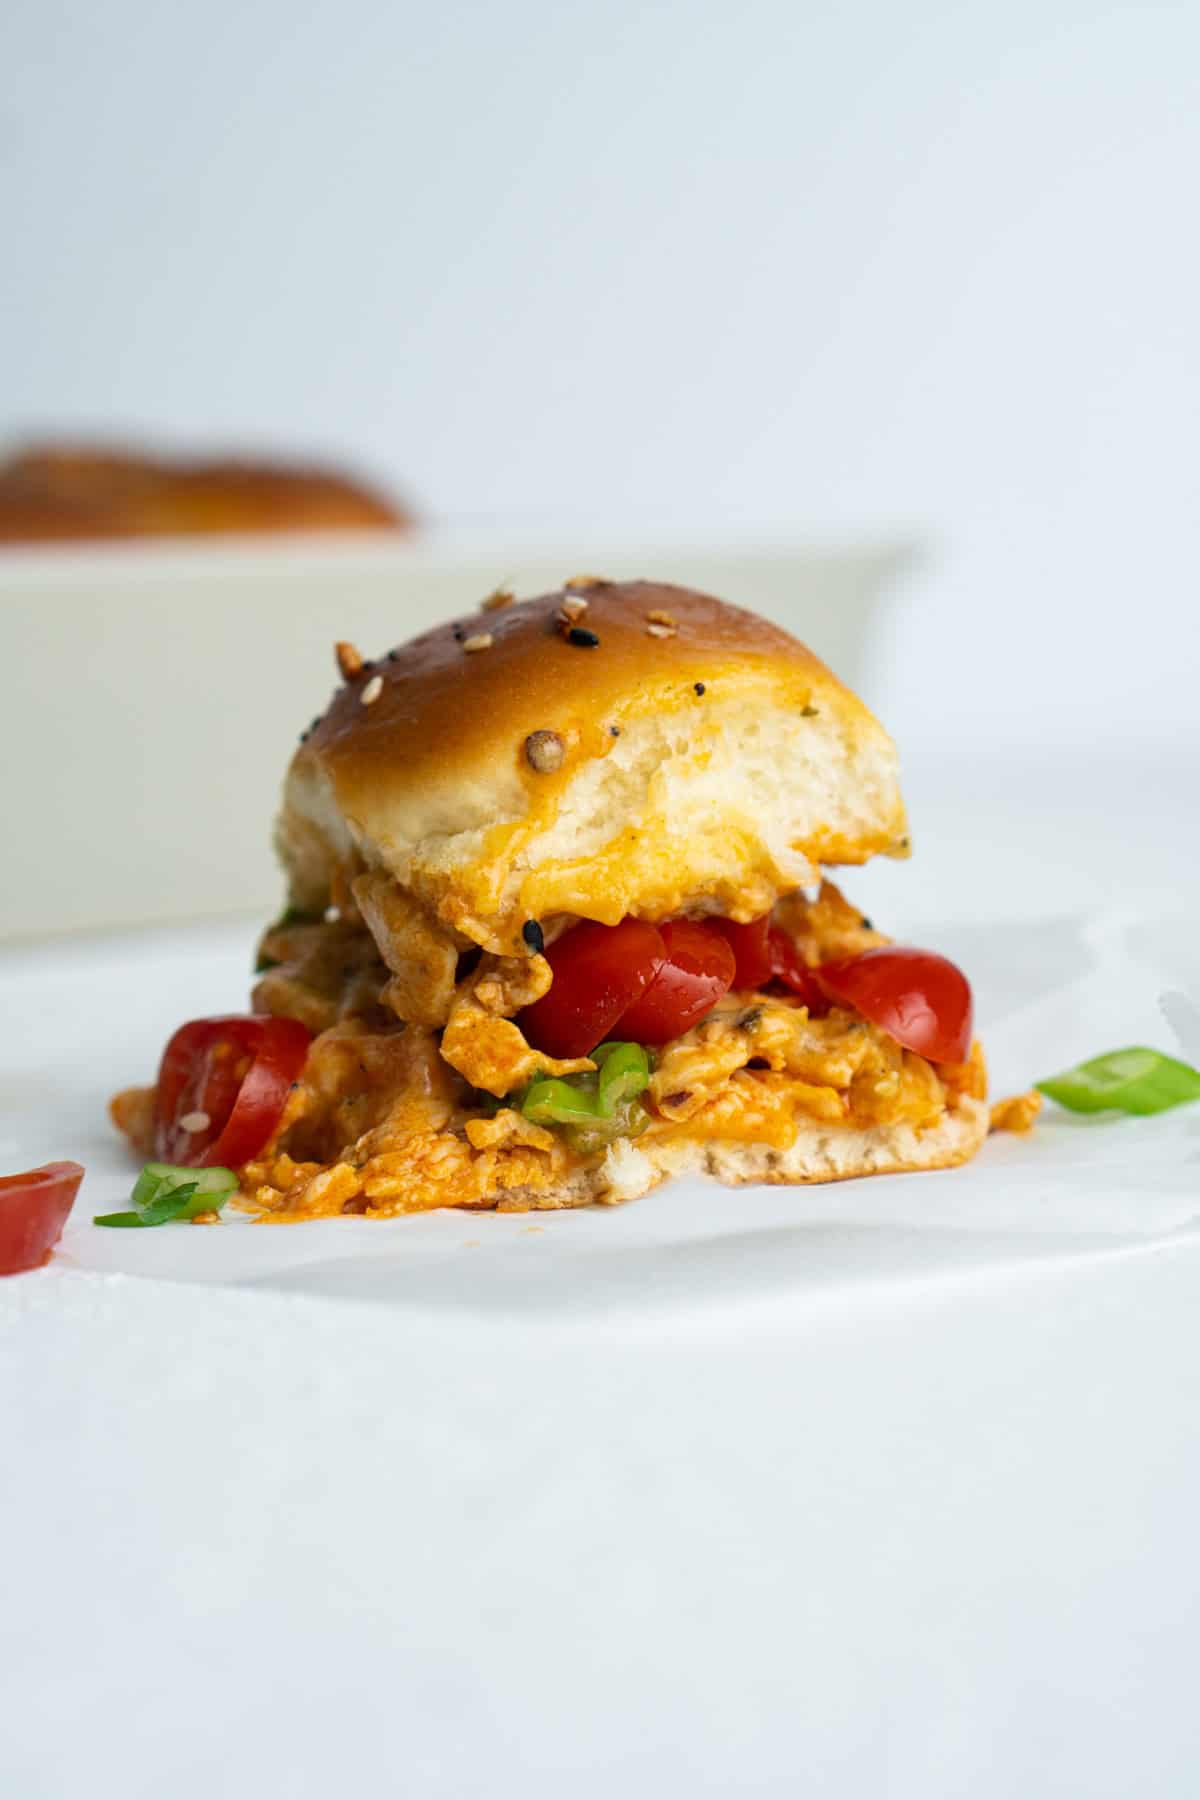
x,y
610,748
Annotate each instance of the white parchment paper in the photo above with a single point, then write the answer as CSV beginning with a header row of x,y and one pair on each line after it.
x,y
84,1018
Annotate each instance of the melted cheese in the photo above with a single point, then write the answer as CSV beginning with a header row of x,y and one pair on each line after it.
x,y
385,1118
839,1069
378,1125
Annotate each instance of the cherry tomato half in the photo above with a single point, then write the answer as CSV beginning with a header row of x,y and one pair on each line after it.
x,y
599,971
764,954
235,1073
699,968
33,1211
751,947
788,966
917,997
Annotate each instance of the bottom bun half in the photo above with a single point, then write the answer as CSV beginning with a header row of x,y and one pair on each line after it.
x,y
819,1153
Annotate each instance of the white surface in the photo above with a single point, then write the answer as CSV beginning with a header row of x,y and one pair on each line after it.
x,y
802,265
926,1544
155,695
849,1511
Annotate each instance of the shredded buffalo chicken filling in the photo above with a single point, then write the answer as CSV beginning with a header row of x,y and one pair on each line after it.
x,y
396,1117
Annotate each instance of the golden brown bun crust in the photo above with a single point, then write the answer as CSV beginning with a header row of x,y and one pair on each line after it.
x,y
444,709
64,492
701,759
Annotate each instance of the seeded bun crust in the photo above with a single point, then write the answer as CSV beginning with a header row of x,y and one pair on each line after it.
x,y
607,749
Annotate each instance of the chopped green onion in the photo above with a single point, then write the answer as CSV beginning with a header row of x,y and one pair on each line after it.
x,y
212,1185
602,1051
1133,1081
162,1193
629,1121
597,1106
161,1213
624,1074
558,1103
173,1203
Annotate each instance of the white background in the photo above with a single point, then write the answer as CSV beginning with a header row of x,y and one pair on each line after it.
x,y
932,266
928,268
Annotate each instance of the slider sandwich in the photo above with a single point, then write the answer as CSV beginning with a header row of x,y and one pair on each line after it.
x,y
559,927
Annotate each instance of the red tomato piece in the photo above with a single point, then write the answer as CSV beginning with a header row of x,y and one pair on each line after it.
x,y
751,948
599,971
788,966
700,966
236,1072
764,954
917,997
33,1211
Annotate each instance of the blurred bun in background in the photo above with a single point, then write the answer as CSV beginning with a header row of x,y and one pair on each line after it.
x,y
55,491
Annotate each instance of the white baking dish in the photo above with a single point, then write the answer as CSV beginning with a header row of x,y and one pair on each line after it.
x,y
150,697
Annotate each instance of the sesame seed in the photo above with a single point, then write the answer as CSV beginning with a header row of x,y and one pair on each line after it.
x,y
658,617
349,661
531,931
544,751
575,581
332,914
195,1121
498,599
482,640
699,686
574,606
582,638
658,630
372,691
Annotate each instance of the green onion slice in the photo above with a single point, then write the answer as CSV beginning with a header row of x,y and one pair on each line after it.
x,y
1137,1081
603,1051
595,1107
549,1102
162,1193
624,1074
629,1121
